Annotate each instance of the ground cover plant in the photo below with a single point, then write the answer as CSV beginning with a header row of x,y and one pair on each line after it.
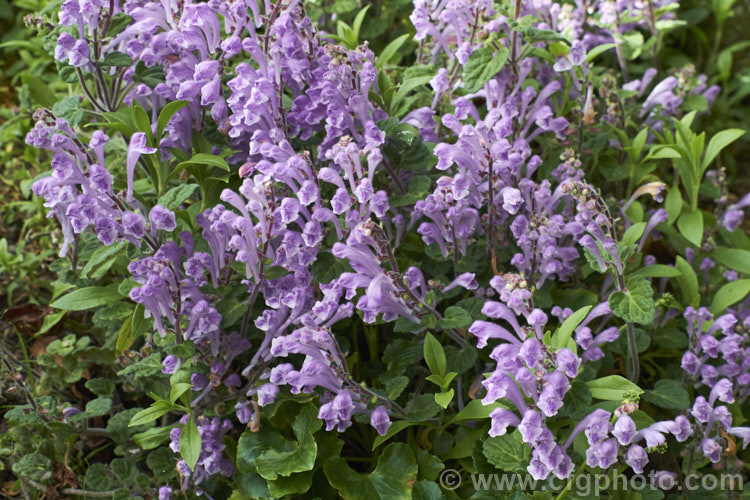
x,y
318,249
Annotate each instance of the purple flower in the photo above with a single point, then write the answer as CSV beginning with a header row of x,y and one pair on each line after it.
x,y
136,148
163,219
133,225
624,429
501,420
171,364
636,458
379,420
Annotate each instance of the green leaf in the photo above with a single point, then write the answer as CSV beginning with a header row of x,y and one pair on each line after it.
x,y
115,59
406,87
88,298
719,142
673,204
656,271
98,407
35,466
172,199
125,337
152,438
156,410
390,50
562,335
612,388
392,479
434,355
101,255
394,429
668,393
687,281
732,292
456,317
507,452
690,225
69,109
534,35
636,304
633,233
444,398
178,390
482,65
166,114
733,258
474,410
296,456
101,386
39,91
190,443
205,159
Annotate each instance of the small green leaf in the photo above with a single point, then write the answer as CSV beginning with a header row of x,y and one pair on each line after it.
x,y
178,390
434,355
101,255
444,398
687,281
482,65
88,298
152,438
205,159
612,388
125,337
656,271
172,199
190,443
732,292
690,225
156,410
475,410
562,335
394,429
390,50
166,114
719,142
115,59
633,233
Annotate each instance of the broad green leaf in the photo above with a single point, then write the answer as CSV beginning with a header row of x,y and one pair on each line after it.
x,y
178,390
668,393
434,355
88,298
733,258
562,336
406,87
690,225
190,443
507,452
719,142
636,303
39,91
392,479
612,388
456,317
732,292
296,456
482,65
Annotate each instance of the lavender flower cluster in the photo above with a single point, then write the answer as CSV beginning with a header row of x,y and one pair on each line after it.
x,y
299,117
